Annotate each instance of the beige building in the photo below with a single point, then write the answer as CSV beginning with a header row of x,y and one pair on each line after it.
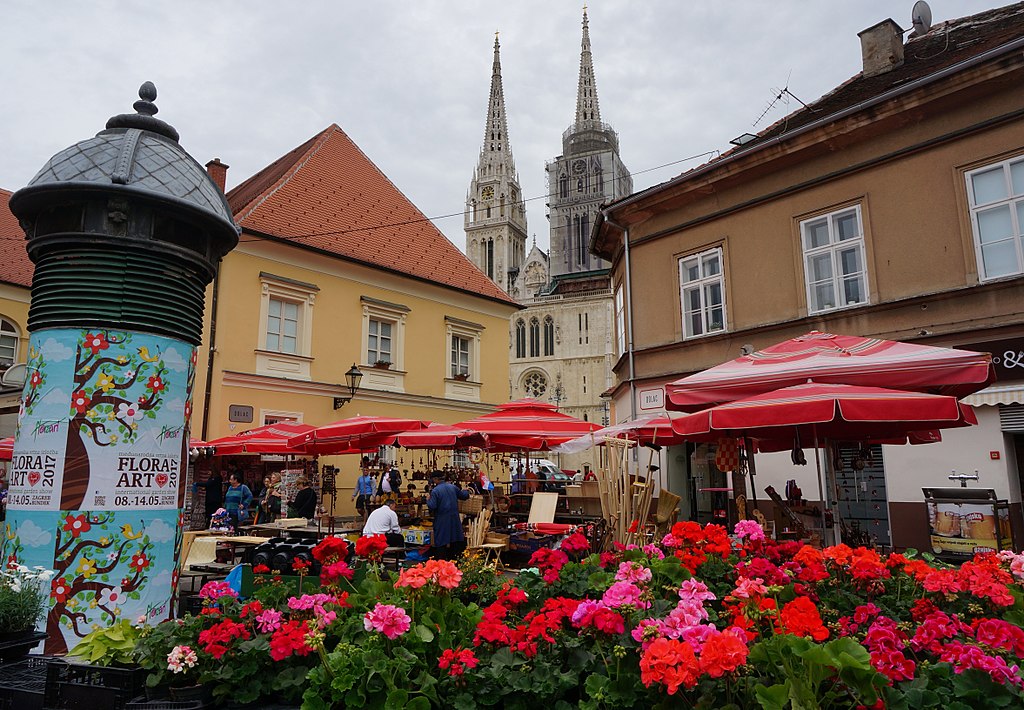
x,y
893,206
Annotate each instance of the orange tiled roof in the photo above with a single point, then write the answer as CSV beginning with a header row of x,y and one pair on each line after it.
x,y
328,195
15,266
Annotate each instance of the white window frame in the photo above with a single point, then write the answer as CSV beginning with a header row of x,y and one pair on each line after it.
x,y
394,313
833,249
471,332
1014,202
620,321
700,284
285,364
9,330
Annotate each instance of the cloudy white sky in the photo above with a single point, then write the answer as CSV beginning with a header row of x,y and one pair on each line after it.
x,y
408,81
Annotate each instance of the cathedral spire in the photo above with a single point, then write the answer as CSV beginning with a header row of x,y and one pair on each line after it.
x,y
587,108
496,128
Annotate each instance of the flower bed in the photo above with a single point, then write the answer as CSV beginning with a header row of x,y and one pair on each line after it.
x,y
700,619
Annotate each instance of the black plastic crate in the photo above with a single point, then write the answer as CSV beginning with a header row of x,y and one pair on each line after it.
x,y
79,686
23,684
142,703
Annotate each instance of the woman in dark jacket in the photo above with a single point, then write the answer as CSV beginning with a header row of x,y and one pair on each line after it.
x,y
304,505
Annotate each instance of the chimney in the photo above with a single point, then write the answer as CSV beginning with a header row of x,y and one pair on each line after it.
x,y
882,47
219,172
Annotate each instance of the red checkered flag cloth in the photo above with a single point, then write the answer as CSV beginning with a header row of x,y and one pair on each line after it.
x,y
727,457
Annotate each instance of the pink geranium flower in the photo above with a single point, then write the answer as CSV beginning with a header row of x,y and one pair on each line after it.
x,y
633,572
390,620
623,594
269,620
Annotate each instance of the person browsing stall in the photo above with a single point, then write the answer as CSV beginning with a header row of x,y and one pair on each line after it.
x,y
447,537
304,504
237,499
384,521
364,490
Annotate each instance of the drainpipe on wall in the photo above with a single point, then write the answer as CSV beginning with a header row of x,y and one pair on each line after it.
x,y
629,316
218,171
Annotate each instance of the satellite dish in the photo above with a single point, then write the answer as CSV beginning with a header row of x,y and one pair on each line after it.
x,y
14,376
921,17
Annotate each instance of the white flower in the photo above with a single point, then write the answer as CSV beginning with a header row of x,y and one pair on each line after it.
x,y
111,596
129,412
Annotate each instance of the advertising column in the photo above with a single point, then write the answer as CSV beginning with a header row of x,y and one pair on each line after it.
x,y
96,479
125,231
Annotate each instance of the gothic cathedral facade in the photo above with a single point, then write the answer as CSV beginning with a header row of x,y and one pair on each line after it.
x,y
563,343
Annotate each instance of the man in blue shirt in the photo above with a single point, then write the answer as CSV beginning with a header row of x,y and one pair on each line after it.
x,y
365,488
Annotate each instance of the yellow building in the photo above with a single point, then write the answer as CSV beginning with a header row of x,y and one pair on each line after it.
x,y
15,280
334,267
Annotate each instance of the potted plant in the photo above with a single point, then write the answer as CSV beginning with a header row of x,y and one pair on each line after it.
x,y
461,376
382,364
23,596
107,674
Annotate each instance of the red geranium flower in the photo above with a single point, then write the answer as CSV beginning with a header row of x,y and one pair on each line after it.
x,y
371,546
260,569
300,566
96,342
330,547
800,617
77,524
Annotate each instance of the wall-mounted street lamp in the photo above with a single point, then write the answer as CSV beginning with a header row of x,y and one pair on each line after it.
x,y
352,379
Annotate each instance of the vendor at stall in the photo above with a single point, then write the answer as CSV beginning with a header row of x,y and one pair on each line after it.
x,y
384,521
447,537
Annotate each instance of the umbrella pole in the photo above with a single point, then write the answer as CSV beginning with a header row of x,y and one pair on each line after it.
x,y
821,492
749,446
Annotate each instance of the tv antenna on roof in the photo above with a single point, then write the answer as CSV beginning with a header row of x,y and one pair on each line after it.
x,y
921,18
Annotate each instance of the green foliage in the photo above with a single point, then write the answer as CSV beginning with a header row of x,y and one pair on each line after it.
x,y
792,670
111,646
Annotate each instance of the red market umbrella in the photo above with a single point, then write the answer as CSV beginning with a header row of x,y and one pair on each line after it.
x,y
7,449
836,359
845,412
267,439
442,436
815,411
355,434
527,424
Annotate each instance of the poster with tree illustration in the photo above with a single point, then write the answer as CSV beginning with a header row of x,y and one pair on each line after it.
x,y
97,474
103,423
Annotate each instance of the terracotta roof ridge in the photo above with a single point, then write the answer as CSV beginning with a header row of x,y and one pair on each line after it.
x,y
320,140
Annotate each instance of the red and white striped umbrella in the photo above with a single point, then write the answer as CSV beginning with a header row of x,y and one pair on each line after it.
x,y
835,359
267,439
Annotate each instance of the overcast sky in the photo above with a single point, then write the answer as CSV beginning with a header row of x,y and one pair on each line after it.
x,y
408,81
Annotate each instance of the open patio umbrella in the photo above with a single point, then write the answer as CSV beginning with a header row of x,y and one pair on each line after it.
x,y
7,449
354,434
267,439
528,424
812,412
837,359
442,436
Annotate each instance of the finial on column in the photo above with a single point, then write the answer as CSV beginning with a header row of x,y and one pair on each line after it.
x,y
147,95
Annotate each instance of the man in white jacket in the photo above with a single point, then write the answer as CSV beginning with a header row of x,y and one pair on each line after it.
x,y
384,521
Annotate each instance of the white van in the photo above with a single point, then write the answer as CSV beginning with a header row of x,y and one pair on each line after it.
x,y
554,478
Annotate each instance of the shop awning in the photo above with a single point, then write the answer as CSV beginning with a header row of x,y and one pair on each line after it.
x,y
996,394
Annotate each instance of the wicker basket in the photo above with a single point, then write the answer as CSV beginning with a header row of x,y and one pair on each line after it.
x,y
472,506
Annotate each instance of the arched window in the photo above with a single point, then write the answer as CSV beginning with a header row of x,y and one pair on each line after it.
x,y
549,336
490,258
584,240
520,338
474,210
8,343
563,186
534,337
501,208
